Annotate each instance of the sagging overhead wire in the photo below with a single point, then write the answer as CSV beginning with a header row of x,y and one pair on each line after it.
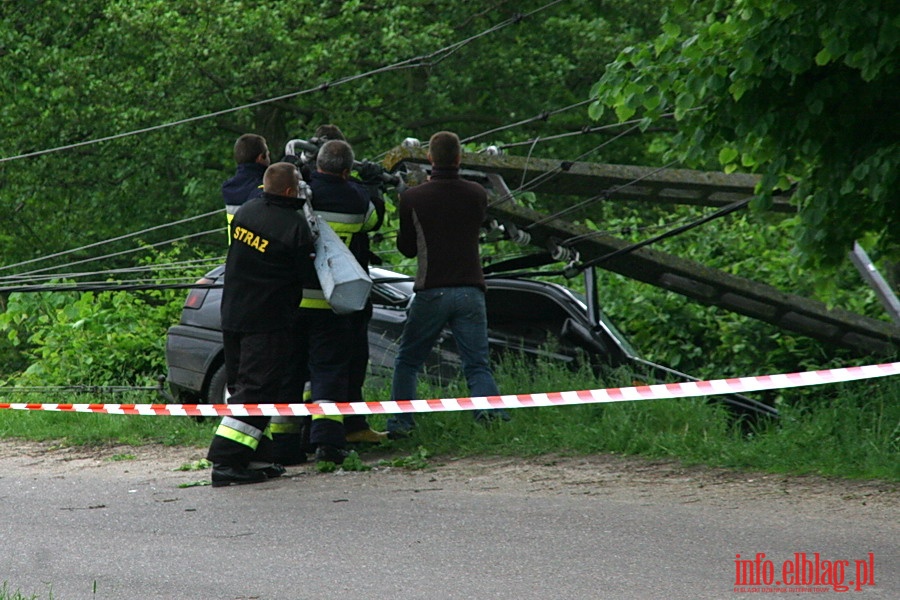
x,y
136,285
605,195
583,131
22,280
533,183
424,60
100,243
548,175
218,231
725,210
150,268
32,276
543,116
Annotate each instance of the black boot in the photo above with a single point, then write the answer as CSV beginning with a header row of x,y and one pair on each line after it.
x,y
224,475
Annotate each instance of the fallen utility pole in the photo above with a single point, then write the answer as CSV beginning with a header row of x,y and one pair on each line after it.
x,y
704,284
620,182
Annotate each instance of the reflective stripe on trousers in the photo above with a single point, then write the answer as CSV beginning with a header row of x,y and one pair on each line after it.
x,y
241,433
338,418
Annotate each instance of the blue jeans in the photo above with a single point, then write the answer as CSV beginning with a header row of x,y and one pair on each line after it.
x,y
462,310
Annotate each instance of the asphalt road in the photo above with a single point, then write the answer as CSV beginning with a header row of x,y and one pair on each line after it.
x,y
95,528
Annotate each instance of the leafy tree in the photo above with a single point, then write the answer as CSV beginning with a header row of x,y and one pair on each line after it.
x,y
95,69
193,75
800,91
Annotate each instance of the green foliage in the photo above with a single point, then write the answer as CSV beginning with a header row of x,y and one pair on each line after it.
x,y
106,338
121,457
794,90
102,68
709,342
198,483
846,430
91,338
197,465
706,341
351,463
417,460
798,91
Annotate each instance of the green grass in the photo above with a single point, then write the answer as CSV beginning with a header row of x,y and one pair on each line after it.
x,y
8,594
847,430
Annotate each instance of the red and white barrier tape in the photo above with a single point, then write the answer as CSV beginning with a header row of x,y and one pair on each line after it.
x,y
628,394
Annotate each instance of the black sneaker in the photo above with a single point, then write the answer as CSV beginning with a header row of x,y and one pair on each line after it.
x,y
490,416
399,433
224,475
400,426
331,454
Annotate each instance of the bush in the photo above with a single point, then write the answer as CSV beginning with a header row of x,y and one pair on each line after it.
x,y
89,338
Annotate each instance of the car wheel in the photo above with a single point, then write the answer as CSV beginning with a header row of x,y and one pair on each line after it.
x,y
216,393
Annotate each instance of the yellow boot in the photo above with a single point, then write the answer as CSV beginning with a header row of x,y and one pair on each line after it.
x,y
369,436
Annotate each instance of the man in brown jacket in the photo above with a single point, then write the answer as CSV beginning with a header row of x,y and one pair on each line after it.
x,y
440,223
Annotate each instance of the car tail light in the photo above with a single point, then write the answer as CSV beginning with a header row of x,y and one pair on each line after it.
x,y
197,296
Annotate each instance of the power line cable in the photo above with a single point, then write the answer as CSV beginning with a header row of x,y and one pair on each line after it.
x,y
131,250
425,60
523,187
21,276
725,210
435,57
584,130
548,175
606,194
543,116
108,286
171,266
116,239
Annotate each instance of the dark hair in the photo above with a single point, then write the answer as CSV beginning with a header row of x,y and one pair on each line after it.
x,y
327,131
248,147
444,149
335,157
281,176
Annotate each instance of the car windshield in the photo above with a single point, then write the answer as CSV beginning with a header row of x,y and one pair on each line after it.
x,y
393,288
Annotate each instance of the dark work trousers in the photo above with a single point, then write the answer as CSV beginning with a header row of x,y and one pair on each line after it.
x,y
327,339
255,371
359,365
290,435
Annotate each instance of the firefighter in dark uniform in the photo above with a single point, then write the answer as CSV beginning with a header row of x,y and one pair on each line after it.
x,y
251,153
291,434
269,261
348,209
